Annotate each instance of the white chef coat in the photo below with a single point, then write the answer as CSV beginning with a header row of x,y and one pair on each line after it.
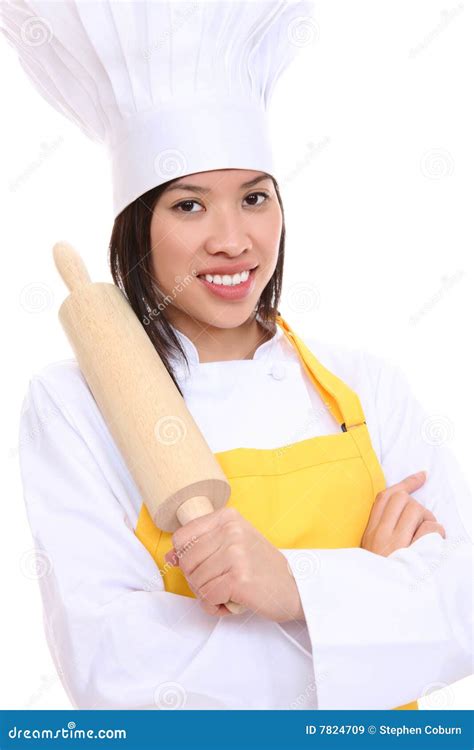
x,y
379,630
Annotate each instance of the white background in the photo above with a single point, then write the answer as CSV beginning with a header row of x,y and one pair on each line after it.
x,y
372,129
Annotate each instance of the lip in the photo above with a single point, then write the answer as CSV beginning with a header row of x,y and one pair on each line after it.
x,y
240,291
227,270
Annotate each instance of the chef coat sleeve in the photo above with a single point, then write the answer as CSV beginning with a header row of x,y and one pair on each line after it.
x,y
387,630
117,638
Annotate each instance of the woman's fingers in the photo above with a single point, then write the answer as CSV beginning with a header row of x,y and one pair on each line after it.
x,y
411,483
396,517
408,485
427,527
186,535
399,504
202,548
412,515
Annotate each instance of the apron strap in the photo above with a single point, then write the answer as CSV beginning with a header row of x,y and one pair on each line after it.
x,y
342,401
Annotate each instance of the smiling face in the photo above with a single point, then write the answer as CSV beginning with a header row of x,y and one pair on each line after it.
x,y
230,220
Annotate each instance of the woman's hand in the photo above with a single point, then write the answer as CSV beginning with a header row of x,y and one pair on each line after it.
x,y
224,557
397,519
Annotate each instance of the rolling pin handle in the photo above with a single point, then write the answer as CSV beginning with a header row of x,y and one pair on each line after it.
x,y
193,508
70,265
196,507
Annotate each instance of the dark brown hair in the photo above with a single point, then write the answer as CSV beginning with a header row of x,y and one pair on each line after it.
x,y
130,262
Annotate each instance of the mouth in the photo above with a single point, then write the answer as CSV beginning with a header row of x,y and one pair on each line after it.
x,y
226,289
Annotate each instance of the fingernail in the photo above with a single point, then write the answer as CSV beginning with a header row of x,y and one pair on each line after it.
x,y
171,557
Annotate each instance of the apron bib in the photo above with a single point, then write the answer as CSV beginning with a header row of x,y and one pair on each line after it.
x,y
330,480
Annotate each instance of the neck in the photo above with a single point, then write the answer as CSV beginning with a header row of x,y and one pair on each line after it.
x,y
222,344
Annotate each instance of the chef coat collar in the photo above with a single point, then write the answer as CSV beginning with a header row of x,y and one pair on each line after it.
x,y
192,354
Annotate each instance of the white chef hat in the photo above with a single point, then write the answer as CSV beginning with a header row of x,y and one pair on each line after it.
x,y
170,88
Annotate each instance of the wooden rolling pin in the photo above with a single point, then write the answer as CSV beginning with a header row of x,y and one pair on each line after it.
x,y
177,474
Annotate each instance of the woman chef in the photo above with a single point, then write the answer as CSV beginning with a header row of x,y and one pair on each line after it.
x,y
357,594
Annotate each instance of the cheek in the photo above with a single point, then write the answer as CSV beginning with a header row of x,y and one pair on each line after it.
x,y
269,234
269,245
171,258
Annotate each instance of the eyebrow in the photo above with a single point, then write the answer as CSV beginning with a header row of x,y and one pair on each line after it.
x,y
204,190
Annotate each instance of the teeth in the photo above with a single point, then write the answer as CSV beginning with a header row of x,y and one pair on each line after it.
x,y
226,280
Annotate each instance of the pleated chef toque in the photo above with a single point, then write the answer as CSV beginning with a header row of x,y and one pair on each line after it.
x,y
170,88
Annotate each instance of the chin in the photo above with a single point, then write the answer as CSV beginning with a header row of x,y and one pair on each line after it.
x,y
229,317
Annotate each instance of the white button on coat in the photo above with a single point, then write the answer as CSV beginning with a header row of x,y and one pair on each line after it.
x,y
278,371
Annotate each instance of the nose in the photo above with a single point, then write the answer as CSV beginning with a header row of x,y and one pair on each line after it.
x,y
227,234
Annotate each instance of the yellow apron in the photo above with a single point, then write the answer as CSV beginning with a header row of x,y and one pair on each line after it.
x,y
317,471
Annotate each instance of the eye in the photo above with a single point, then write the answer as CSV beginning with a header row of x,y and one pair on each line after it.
x,y
186,203
264,195
177,207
